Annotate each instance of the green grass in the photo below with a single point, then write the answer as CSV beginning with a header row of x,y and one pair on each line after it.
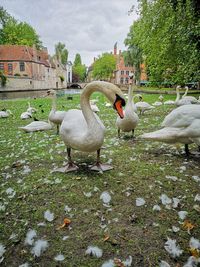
x,y
140,170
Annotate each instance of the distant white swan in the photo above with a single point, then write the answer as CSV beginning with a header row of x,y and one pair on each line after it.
x,y
94,106
36,126
5,114
192,99
83,130
143,106
182,101
31,109
130,120
55,116
26,115
182,125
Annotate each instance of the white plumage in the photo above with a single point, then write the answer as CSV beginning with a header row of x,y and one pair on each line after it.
x,y
31,234
94,251
36,126
5,114
143,106
40,246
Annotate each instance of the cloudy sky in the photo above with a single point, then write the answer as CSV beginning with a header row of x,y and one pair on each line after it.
x,y
87,27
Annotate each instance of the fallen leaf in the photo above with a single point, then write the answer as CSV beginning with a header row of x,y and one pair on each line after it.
x,y
106,238
188,226
195,252
65,223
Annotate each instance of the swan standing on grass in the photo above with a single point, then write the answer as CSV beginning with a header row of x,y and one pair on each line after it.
x,y
31,109
5,113
143,106
184,100
192,99
83,130
130,120
55,116
182,125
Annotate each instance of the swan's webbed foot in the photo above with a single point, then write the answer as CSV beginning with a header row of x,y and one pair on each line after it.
x,y
101,167
70,167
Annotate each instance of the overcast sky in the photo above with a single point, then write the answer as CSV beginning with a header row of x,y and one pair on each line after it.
x,y
87,27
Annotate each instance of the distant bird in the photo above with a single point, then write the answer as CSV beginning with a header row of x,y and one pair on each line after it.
x,y
161,98
31,109
55,116
192,99
36,126
25,115
182,101
160,102
182,125
130,120
143,106
94,106
5,113
83,129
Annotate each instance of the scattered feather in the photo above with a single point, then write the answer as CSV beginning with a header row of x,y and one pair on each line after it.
x,y
49,216
175,229
39,247
165,199
173,178
194,243
29,240
182,214
2,250
128,261
172,248
109,263
156,208
197,197
59,257
164,264
105,197
192,262
24,265
94,251
140,201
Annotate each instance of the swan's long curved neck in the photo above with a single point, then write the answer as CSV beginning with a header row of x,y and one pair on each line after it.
x,y
53,107
177,95
186,91
130,94
85,105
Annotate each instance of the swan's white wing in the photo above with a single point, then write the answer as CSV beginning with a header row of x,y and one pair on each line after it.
x,y
36,126
182,116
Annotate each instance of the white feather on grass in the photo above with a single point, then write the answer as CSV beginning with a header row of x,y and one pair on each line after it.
x,y
105,197
24,265
128,261
59,257
2,250
182,214
164,264
197,197
39,247
172,248
109,263
48,216
165,199
29,240
192,262
194,243
94,251
156,208
140,201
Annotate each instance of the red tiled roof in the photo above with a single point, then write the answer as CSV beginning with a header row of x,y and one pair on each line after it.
x,y
23,53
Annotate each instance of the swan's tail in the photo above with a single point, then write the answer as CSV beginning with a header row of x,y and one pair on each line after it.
x,y
166,134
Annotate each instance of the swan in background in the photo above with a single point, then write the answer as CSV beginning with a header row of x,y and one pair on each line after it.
x,y
5,113
143,106
169,102
161,98
130,120
182,125
160,102
55,116
192,99
36,126
31,109
26,115
83,130
94,106
181,101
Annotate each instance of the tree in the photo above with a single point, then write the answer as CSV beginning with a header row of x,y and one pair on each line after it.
x,y
17,33
104,66
79,70
61,53
167,34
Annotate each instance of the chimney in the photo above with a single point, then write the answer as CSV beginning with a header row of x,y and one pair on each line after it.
x,y
115,49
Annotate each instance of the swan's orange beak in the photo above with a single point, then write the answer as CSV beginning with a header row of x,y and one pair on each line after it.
x,y
119,102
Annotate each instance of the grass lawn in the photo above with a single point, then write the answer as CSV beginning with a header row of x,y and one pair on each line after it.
x,y
147,170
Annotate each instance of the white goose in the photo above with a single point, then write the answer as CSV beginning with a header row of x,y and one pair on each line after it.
x,y
83,130
5,113
55,116
130,120
182,125
36,126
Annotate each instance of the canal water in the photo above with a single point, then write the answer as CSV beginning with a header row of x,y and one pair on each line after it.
x,y
36,94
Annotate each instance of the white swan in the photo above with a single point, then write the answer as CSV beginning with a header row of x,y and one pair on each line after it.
x,y
26,115
143,106
83,130
55,116
169,102
5,113
181,101
94,106
130,120
31,109
182,125
192,99
36,126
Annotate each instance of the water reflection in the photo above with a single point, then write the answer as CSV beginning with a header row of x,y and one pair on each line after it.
x,y
36,94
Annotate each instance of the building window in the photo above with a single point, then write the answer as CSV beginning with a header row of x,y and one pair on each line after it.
x,y
127,72
22,66
127,80
122,80
1,67
10,68
122,72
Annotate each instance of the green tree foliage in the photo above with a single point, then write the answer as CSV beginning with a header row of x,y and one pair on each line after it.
x,y
104,66
78,69
17,33
61,53
167,34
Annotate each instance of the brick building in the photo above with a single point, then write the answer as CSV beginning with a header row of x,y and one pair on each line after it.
x,y
29,68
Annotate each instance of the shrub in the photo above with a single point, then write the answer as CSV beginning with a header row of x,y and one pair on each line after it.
x,y
62,78
17,74
3,79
